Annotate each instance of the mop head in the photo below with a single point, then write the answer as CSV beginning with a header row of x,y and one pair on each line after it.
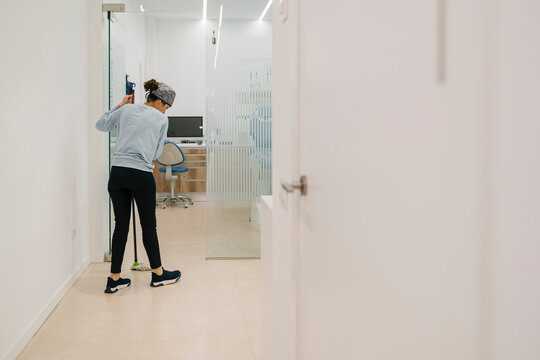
x,y
140,266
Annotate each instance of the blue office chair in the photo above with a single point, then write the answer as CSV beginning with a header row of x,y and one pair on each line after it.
x,y
170,157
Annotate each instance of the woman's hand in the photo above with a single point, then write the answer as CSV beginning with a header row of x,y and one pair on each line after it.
x,y
125,100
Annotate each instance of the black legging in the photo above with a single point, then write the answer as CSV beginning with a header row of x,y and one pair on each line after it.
x,y
125,183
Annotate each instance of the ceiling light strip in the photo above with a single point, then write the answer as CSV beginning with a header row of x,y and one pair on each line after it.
x,y
205,9
218,35
266,9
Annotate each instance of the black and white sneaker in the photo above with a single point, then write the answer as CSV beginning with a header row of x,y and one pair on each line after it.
x,y
114,286
168,277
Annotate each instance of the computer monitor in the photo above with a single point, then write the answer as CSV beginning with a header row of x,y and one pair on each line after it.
x,y
185,127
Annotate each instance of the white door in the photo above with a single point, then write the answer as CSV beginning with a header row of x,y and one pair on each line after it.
x,y
386,250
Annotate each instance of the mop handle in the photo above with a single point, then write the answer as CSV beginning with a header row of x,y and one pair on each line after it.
x,y
134,228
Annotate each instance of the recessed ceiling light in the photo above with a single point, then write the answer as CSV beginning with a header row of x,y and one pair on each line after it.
x,y
266,9
205,9
220,18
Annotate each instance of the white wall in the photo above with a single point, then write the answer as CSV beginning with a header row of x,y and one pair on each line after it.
x,y
98,142
135,49
516,217
50,71
175,54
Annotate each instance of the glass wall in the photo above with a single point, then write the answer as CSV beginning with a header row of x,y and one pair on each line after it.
x,y
222,71
114,65
238,134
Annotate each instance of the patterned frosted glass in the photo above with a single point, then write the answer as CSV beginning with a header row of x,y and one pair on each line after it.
x,y
238,133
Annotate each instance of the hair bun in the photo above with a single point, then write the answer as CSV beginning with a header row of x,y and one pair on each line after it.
x,y
151,85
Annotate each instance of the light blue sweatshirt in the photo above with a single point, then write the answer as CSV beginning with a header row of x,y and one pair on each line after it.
x,y
141,131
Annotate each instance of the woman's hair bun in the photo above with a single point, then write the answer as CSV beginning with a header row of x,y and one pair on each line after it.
x,y
151,85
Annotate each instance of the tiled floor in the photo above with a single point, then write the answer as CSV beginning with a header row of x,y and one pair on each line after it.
x,y
213,313
230,232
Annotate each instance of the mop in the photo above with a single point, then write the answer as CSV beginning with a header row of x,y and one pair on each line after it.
x,y
130,90
136,264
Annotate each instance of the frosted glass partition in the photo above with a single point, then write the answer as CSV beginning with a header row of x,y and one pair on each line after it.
x,y
114,65
238,134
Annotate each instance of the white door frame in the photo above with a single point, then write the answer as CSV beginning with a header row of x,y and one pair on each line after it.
x,y
285,167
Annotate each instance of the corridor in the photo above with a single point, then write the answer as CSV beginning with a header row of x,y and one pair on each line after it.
x,y
214,312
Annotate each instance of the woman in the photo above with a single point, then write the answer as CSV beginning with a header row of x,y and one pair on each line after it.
x,y
141,134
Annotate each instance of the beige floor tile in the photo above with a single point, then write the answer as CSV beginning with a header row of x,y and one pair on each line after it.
x,y
213,313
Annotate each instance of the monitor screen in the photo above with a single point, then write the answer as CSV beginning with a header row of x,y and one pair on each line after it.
x,y
185,127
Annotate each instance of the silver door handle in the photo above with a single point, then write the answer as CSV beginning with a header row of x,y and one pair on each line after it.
x,y
291,186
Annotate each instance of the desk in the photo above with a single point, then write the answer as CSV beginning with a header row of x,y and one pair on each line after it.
x,y
193,180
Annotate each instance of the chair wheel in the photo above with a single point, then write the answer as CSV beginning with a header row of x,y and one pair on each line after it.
x,y
163,206
190,202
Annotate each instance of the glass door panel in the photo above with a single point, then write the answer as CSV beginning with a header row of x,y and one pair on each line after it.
x,y
114,75
238,131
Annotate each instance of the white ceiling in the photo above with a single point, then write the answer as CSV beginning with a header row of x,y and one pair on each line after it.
x,y
193,9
